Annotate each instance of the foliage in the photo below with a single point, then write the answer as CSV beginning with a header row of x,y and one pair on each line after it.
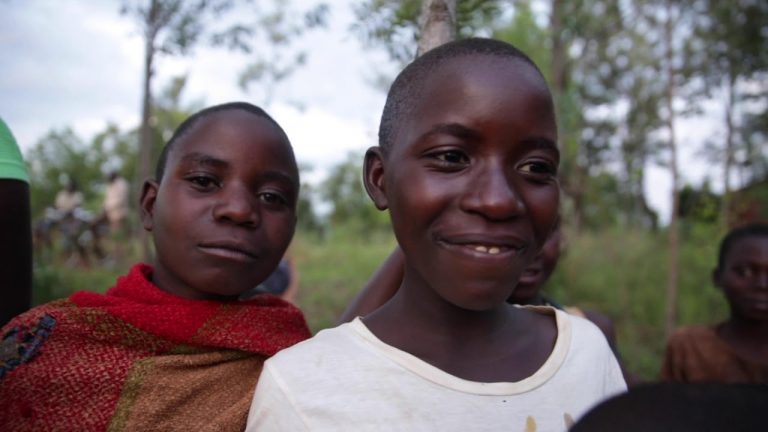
x,y
343,190
394,25
620,273
269,38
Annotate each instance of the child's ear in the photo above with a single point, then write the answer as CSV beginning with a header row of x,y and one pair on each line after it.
x,y
147,203
373,177
717,275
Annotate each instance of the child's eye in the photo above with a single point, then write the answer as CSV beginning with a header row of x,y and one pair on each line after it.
x,y
202,182
273,198
452,157
538,168
744,272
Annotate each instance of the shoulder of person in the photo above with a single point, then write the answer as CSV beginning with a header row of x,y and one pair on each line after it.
x,y
586,333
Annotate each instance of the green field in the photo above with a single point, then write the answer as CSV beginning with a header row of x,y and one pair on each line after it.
x,y
620,273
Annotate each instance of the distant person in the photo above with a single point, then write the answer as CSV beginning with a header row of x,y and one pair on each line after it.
x,y
69,198
15,230
116,198
736,350
467,167
283,282
169,346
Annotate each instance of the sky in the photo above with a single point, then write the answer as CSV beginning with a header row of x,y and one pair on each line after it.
x,y
78,64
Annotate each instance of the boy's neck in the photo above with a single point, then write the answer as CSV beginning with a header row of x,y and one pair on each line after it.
x,y
463,342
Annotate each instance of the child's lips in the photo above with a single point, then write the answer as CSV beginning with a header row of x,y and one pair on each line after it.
x,y
482,246
229,250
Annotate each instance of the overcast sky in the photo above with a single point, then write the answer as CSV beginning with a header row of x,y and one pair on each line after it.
x,y
78,64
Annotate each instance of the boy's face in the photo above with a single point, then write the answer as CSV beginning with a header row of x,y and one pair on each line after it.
x,y
224,212
470,179
744,278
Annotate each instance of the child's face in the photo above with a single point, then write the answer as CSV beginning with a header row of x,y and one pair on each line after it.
x,y
744,278
534,277
470,180
224,212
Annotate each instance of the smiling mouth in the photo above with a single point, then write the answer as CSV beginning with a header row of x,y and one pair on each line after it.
x,y
488,249
480,248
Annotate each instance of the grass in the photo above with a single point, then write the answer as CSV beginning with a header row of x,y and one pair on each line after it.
x,y
619,273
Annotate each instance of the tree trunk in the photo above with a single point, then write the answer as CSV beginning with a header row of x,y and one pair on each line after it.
x,y
673,235
145,139
437,23
726,201
574,179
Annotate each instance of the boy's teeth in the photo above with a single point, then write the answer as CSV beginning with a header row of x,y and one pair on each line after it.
x,y
493,250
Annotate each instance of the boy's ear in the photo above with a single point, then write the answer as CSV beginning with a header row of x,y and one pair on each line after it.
x,y
717,275
373,177
147,203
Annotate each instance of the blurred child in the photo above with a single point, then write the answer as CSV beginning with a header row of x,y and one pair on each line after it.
x,y
736,350
467,166
16,244
169,347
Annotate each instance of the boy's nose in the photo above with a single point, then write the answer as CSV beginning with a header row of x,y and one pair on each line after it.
x,y
493,195
237,205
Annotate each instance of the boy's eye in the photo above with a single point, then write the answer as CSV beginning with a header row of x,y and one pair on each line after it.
x,y
273,198
537,168
452,157
203,182
744,272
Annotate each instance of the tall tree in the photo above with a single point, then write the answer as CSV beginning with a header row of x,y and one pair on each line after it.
x,y
268,39
673,231
733,53
395,25
170,27
437,24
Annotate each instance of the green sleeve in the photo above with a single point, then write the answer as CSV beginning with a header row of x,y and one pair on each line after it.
x,y
11,163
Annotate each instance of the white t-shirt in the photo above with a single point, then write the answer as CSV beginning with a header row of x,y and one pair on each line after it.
x,y
346,378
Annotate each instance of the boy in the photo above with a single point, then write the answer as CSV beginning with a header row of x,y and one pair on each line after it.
x,y
734,351
466,166
169,347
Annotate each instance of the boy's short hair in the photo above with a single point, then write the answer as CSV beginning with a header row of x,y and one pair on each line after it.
x,y
406,88
191,121
736,234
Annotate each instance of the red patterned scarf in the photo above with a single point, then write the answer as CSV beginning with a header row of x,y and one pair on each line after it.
x,y
138,358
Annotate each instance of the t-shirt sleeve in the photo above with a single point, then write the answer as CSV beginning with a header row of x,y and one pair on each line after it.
x,y
271,407
11,163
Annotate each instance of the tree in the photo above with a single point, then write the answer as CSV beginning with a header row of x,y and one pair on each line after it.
x,y
733,52
343,190
437,24
268,41
170,27
397,25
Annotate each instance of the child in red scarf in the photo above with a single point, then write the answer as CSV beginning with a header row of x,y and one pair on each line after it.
x,y
169,347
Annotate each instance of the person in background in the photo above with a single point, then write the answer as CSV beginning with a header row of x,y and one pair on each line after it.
x,y
116,206
15,224
69,198
735,350
283,282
